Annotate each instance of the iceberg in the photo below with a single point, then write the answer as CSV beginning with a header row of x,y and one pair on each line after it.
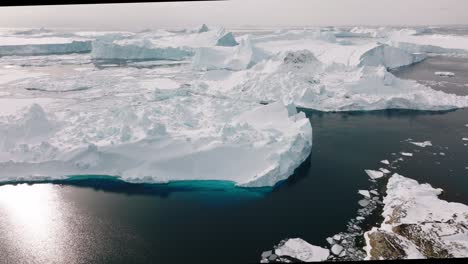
x,y
21,46
130,131
417,224
299,77
159,45
241,57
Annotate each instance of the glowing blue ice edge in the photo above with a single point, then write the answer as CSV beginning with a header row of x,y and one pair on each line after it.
x,y
182,185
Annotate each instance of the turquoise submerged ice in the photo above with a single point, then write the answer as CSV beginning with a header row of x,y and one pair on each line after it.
x,y
204,118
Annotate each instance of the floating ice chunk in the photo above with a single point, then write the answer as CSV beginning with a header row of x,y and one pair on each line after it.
x,y
374,174
407,154
446,74
385,162
336,249
364,193
384,170
301,250
337,237
422,144
364,203
465,139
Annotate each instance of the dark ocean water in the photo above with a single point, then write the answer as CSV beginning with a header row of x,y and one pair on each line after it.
x,y
106,221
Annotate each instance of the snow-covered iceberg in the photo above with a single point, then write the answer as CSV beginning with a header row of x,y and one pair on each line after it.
x,y
299,77
417,224
142,127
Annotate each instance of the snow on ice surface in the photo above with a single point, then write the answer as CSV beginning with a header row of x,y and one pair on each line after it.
x,y
160,45
302,251
407,154
431,221
109,120
422,144
374,174
161,130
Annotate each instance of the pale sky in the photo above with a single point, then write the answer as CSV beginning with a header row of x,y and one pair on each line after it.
x,y
239,13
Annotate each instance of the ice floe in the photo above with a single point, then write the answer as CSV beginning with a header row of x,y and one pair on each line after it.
x,y
447,74
296,249
422,144
374,174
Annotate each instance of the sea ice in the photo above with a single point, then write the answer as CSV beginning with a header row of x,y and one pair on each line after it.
x,y
422,144
301,250
407,154
364,193
385,162
374,174
447,74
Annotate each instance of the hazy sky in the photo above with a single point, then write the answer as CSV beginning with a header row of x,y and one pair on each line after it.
x,y
239,13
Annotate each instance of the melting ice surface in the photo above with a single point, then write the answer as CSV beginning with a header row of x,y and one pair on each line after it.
x,y
224,109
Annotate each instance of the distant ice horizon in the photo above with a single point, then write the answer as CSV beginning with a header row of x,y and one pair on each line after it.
x,y
239,14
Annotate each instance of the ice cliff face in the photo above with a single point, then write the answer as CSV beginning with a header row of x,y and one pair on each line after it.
x,y
418,224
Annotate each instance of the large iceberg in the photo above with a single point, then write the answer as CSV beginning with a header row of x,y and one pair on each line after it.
x,y
160,45
142,127
299,77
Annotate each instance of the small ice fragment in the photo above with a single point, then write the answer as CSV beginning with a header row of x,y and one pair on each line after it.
x,y
465,139
336,249
442,154
374,174
266,254
330,240
408,154
364,193
422,144
385,162
447,74
363,203
342,254
374,192
360,218
337,237
384,170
